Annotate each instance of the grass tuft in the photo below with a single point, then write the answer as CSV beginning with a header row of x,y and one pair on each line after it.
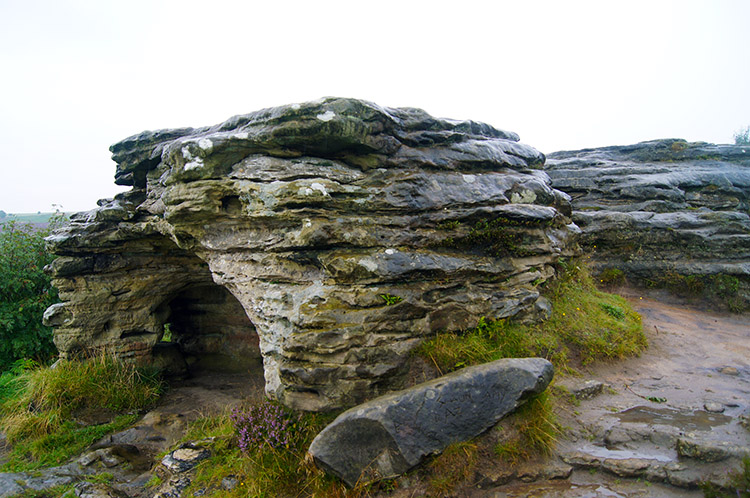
x,y
455,465
586,325
41,408
536,431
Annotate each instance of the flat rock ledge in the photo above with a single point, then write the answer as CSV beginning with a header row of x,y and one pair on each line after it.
x,y
389,435
664,209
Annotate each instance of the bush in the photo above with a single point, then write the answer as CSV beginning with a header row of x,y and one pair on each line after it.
x,y
25,292
742,137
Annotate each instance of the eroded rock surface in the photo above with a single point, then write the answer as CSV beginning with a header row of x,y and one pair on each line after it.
x,y
663,209
329,237
389,435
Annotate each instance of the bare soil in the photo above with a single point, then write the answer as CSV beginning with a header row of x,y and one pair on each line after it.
x,y
696,373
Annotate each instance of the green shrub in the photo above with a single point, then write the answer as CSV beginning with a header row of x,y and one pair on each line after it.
x,y
742,137
25,292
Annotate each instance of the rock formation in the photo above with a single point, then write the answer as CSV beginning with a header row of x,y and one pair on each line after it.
x,y
389,435
328,237
665,209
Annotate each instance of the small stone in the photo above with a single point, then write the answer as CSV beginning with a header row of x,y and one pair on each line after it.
x,y
589,389
627,467
729,371
713,407
229,483
184,458
94,490
581,459
89,458
173,488
109,457
709,451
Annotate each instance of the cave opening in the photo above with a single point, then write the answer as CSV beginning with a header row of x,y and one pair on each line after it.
x,y
205,329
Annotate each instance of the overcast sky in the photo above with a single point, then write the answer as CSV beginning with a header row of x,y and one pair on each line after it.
x,y
77,76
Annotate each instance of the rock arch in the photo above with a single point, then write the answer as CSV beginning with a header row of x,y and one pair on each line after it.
x,y
347,231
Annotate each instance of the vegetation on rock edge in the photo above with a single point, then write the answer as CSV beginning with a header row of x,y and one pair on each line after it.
x,y
586,325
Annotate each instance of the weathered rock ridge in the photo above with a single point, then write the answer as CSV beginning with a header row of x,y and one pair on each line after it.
x,y
327,237
662,208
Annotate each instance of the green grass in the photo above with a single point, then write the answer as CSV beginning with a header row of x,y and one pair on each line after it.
x,y
536,431
55,448
264,471
41,408
586,325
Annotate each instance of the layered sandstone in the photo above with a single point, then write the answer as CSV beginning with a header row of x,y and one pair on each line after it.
x,y
328,237
664,211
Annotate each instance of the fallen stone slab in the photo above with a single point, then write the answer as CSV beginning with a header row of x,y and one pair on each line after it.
x,y
389,435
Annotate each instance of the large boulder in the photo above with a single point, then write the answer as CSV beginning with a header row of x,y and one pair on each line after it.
x,y
327,238
663,209
389,435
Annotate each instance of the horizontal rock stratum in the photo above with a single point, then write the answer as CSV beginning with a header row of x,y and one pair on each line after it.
x,y
664,209
328,238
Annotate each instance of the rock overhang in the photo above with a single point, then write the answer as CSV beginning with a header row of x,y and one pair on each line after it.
x,y
308,214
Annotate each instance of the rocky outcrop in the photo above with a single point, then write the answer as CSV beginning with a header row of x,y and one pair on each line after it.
x,y
389,435
664,209
328,237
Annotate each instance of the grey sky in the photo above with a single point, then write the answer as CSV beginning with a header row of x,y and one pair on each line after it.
x,y
81,75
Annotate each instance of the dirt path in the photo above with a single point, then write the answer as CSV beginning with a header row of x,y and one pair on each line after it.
x,y
696,372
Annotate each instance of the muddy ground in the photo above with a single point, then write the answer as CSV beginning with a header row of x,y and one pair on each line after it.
x,y
696,373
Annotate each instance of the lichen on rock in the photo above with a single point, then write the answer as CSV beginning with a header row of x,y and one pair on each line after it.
x,y
277,234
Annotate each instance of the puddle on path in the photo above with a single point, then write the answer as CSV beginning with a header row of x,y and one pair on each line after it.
x,y
695,420
602,452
